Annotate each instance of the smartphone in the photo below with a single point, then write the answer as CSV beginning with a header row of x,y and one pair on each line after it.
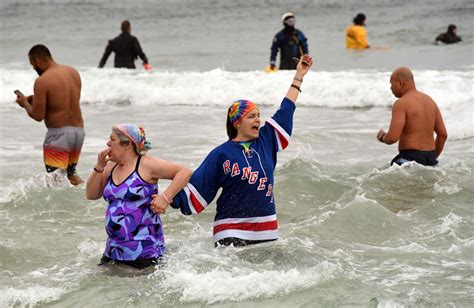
x,y
298,60
18,93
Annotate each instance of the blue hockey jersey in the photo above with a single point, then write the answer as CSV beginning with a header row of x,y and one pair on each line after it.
x,y
246,207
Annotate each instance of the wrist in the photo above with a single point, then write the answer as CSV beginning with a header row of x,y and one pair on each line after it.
x,y
296,87
98,170
167,200
298,78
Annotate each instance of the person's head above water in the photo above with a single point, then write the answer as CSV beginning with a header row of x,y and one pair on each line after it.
x,y
359,19
40,58
127,133
402,81
236,113
288,19
452,29
125,26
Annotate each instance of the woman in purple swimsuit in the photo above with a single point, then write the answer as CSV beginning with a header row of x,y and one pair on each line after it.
x,y
127,179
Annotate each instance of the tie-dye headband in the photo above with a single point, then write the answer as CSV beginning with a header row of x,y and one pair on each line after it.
x,y
136,135
239,109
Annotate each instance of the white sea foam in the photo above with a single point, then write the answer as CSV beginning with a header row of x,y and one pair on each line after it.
x,y
449,223
29,296
20,188
17,190
452,90
238,284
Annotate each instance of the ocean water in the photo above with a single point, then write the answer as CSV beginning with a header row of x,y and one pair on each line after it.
x,y
354,232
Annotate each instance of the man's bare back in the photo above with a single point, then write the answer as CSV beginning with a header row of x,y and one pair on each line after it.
x,y
415,118
57,92
420,112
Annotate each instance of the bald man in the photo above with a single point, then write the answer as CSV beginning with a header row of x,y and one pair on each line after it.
x,y
415,119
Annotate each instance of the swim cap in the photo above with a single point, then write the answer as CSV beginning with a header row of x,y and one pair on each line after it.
x,y
239,109
287,15
136,135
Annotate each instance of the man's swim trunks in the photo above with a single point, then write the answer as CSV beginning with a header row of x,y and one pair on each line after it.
x,y
61,148
427,158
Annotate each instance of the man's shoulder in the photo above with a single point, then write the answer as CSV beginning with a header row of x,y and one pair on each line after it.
x,y
402,102
408,100
68,69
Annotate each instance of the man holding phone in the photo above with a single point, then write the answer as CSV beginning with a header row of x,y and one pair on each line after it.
x,y
57,92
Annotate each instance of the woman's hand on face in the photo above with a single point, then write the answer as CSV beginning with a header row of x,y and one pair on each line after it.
x,y
103,158
305,64
158,204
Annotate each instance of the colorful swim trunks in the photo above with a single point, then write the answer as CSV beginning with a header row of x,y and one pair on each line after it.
x,y
61,148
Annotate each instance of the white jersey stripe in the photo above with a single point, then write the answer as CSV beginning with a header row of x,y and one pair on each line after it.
x,y
280,129
245,220
188,196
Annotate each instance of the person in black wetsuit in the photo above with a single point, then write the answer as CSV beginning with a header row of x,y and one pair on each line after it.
x,y
126,48
450,37
290,41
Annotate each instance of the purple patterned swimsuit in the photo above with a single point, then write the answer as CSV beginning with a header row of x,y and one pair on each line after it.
x,y
134,231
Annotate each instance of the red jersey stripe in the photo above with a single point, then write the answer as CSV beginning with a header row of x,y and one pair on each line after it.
x,y
260,226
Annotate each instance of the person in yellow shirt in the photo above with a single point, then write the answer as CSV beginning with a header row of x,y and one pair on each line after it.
x,y
356,33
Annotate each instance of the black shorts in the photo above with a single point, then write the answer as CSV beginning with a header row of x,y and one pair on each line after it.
x,y
427,158
138,264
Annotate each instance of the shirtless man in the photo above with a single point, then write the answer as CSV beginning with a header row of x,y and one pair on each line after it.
x,y
415,117
56,101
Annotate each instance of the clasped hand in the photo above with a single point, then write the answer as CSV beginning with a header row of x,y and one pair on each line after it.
x,y
158,204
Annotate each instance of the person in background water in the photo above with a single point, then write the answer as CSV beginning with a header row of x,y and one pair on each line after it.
x,y
243,167
57,92
450,37
127,179
126,48
290,41
415,119
356,34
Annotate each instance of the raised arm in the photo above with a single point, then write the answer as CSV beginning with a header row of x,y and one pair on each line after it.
x,y
303,67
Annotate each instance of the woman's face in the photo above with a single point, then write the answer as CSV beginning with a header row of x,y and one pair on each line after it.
x,y
249,126
117,150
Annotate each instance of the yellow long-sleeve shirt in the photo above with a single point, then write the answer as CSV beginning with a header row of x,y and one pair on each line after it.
x,y
355,37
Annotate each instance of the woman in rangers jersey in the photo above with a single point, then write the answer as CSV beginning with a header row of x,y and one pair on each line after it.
x,y
243,167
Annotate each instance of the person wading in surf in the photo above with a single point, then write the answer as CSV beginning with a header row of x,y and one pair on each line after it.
x,y
57,92
243,167
415,118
